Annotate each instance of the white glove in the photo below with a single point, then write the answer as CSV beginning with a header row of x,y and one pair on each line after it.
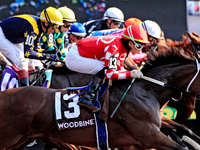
x,y
136,74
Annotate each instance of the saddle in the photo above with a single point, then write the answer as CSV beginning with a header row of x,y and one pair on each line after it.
x,y
101,99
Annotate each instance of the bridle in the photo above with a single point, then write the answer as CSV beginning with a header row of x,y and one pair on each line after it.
x,y
195,47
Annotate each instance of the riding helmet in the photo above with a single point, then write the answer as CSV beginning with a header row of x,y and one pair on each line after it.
x,y
67,13
114,13
152,28
78,29
52,16
132,21
136,34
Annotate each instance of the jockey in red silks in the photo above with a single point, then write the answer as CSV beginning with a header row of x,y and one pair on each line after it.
x,y
104,56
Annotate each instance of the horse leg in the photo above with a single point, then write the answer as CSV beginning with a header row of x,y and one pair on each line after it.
x,y
139,147
184,107
145,127
172,126
59,145
21,147
197,122
135,147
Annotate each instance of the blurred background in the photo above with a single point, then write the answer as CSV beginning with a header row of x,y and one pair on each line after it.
x,y
171,15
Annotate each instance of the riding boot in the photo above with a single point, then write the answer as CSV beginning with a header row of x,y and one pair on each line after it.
x,y
87,99
23,77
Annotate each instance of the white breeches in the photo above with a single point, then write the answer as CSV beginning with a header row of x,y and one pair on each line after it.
x,y
15,52
74,61
32,63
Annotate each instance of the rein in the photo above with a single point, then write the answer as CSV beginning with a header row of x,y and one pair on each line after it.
x,y
195,48
169,86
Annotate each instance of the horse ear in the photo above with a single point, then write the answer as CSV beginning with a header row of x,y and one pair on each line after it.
x,y
189,35
193,38
195,34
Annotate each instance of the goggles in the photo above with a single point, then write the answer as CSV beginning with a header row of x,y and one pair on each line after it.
x,y
55,26
116,22
138,46
67,25
151,39
79,37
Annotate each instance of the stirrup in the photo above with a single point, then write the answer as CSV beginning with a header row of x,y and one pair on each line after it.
x,y
92,108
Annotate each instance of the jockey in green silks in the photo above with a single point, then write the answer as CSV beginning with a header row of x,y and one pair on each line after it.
x,y
56,40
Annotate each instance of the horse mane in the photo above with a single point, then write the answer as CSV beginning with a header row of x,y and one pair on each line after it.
x,y
181,51
185,41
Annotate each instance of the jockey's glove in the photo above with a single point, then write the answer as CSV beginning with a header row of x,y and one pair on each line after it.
x,y
136,74
52,57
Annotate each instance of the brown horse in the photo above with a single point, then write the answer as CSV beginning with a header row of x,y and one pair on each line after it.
x,y
184,104
136,122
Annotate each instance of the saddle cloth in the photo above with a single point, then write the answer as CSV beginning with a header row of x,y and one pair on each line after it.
x,y
67,111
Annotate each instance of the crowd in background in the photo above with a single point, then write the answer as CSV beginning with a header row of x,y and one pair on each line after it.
x,y
90,9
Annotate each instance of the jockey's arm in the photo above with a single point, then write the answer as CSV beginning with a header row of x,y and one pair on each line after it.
x,y
115,66
37,53
34,54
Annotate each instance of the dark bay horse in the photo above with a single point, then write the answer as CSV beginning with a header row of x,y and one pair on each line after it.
x,y
74,83
27,112
184,104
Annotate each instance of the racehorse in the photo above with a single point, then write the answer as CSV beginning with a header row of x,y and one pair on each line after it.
x,y
136,122
175,66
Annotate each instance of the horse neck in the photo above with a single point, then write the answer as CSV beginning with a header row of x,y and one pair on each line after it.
x,y
178,75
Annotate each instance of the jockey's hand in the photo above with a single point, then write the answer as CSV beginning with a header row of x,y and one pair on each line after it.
x,y
136,74
52,57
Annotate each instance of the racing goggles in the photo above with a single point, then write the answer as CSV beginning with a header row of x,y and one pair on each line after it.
x,y
151,39
55,26
137,45
79,37
116,22
67,25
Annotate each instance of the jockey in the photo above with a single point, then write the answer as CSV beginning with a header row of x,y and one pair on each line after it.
x,y
132,21
59,35
155,34
19,38
74,35
105,56
112,19
153,30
